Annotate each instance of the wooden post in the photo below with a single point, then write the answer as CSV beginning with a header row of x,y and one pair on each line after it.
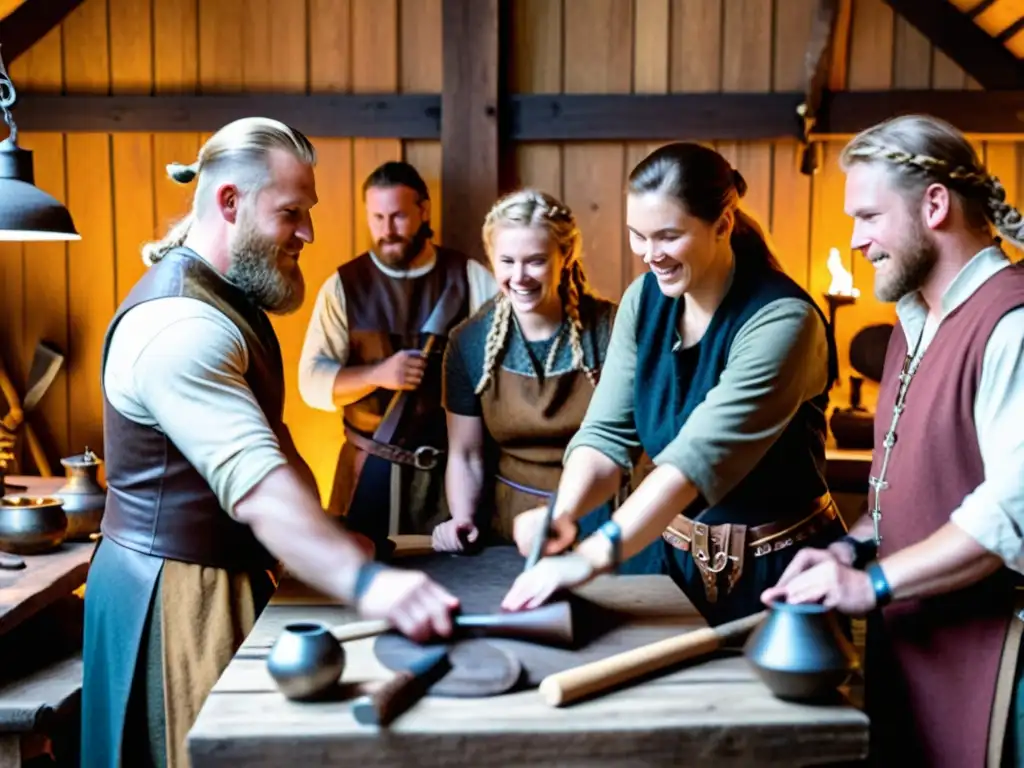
x,y
470,127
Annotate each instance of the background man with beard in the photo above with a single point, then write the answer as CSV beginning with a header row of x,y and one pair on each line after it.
x,y
371,320
205,489
944,543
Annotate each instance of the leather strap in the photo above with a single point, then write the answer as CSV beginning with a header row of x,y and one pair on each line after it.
x,y
1005,683
769,537
423,458
718,549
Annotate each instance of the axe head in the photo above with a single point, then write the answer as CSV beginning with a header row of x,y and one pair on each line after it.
x,y
46,364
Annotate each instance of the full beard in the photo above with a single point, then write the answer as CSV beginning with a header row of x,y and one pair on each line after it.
x,y
410,250
909,267
255,269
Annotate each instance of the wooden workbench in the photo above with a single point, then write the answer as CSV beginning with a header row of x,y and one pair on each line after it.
x,y
40,639
712,713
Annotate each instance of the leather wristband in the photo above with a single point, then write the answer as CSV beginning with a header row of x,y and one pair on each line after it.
x,y
364,577
611,531
880,584
863,551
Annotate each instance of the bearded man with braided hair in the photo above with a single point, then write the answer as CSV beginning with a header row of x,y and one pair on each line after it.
x,y
520,373
943,544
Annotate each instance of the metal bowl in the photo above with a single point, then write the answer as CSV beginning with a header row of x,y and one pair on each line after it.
x,y
30,525
801,653
306,661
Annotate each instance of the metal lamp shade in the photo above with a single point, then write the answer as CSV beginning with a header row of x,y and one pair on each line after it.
x,y
27,212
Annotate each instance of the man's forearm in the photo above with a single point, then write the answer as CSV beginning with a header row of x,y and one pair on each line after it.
x,y
354,383
463,480
589,479
948,560
288,520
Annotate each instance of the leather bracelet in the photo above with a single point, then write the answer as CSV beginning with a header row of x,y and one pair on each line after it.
x,y
611,531
863,551
880,584
364,577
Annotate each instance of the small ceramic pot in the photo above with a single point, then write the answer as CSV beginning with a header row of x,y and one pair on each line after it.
x,y
801,653
31,525
306,661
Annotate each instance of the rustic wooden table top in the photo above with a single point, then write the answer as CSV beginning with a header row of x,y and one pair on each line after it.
x,y
45,578
712,713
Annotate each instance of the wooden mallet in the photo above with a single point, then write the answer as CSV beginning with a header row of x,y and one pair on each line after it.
x,y
576,683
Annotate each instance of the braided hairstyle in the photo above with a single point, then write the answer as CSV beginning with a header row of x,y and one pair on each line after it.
x,y
922,150
533,208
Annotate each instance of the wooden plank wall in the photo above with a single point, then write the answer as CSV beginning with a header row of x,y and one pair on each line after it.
x,y
667,46
118,192
117,188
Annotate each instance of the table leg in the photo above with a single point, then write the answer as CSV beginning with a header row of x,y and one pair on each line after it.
x,y
10,750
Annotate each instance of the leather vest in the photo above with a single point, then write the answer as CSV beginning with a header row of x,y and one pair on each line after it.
x,y
157,503
387,314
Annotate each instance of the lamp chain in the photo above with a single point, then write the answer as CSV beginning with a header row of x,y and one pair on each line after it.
x,y
7,97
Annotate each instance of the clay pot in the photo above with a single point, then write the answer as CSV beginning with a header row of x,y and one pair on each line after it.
x,y
800,652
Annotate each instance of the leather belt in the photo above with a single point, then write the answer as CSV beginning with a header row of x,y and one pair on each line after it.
x,y
714,547
424,458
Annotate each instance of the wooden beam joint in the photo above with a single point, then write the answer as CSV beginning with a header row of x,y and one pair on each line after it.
x,y
29,23
954,33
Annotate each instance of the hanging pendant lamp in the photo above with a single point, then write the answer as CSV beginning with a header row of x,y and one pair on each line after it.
x,y
26,212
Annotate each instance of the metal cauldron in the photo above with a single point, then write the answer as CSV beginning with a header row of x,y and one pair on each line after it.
x,y
800,652
30,525
306,661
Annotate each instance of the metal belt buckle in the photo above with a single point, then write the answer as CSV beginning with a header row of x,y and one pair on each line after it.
x,y
425,457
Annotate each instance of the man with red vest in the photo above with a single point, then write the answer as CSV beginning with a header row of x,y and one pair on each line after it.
x,y
936,564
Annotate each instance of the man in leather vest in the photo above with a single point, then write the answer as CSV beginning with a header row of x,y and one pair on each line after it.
x,y
206,492
936,564
373,350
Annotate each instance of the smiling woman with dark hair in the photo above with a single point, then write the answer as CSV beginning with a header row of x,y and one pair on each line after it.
x,y
719,368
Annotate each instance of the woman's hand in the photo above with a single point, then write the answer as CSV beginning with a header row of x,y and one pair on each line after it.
x,y
452,535
551,574
528,526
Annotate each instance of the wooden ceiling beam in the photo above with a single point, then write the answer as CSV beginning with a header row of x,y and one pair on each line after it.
x,y
29,23
954,33
529,116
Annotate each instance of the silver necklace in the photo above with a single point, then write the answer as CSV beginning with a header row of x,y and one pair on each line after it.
x,y
878,483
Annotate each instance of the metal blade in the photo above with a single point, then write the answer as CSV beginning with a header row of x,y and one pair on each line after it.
x,y
46,365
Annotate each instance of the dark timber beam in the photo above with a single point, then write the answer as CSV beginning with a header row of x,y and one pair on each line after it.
x,y
818,62
529,117
401,116
955,34
27,24
471,99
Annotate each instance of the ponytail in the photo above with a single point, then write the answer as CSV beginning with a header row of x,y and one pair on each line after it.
x,y
749,241
155,251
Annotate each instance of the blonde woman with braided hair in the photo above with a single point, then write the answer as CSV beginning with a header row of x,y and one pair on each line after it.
x,y
206,494
520,373
718,368
943,542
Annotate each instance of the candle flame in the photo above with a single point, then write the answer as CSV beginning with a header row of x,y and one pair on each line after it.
x,y
842,280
